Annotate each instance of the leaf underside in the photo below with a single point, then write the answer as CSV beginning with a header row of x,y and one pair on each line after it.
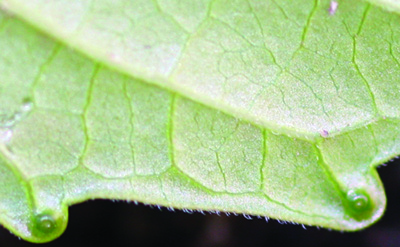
x,y
265,108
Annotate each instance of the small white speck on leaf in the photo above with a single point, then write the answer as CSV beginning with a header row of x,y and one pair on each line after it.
x,y
324,133
333,7
5,135
116,58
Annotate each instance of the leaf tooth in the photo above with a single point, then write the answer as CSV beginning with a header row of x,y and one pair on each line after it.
x,y
47,226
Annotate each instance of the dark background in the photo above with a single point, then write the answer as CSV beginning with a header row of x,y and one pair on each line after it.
x,y
106,223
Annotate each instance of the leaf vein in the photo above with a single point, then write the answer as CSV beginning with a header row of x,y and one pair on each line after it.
x,y
188,41
308,23
131,123
84,119
354,60
42,68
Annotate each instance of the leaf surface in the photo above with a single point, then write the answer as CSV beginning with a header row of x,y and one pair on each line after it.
x,y
391,5
256,107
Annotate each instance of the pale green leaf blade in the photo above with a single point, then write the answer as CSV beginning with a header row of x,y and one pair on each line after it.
x,y
291,63
391,5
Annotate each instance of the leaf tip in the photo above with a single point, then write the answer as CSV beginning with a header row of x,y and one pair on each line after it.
x,y
47,226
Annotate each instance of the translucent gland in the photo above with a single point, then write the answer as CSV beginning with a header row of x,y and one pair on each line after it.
x,y
27,105
8,120
45,223
45,227
360,204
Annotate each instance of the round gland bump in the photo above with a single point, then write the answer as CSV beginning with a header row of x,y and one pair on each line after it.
x,y
27,105
360,204
47,226
46,223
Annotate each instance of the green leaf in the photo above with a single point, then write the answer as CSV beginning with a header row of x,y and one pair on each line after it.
x,y
391,5
257,107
